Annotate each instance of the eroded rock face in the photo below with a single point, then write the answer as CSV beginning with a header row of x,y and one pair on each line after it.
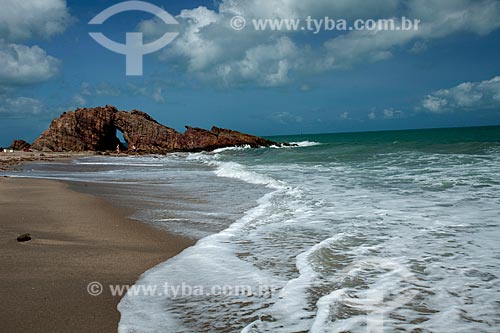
x,y
19,145
95,130
81,130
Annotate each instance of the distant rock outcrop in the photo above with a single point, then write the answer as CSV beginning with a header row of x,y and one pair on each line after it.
x,y
95,129
19,145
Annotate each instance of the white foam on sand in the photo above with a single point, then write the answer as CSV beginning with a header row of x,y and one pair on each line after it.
x,y
211,262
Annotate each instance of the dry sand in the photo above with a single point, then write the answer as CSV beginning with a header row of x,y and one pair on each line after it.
x,y
77,239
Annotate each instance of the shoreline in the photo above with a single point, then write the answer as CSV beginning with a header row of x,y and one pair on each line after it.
x,y
77,239
9,161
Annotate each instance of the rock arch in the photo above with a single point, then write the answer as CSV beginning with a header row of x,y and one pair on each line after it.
x,y
94,129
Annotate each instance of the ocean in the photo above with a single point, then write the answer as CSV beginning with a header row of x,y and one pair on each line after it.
x,y
395,231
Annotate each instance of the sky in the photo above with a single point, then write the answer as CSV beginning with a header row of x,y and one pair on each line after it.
x,y
446,73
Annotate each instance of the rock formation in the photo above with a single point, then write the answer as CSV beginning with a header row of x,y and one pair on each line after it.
x,y
19,145
24,238
95,129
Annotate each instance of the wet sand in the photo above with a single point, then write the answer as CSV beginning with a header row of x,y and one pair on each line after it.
x,y
10,160
77,239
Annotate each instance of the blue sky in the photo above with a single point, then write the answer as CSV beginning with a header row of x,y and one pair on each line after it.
x,y
264,82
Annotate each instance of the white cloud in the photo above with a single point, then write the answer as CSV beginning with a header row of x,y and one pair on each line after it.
x,y
344,115
388,113
20,105
438,19
26,19
434,103
150,90
305,87
362,47
391,113
199,46
158,95
85,89
87,92
210,50
418,47
136,90
299,8
20,64
267,64
372,115
101,89
465,97
285,118
79,101
106,89
444,17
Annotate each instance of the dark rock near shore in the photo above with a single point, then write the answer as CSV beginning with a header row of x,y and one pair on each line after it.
x,y
19,145
95,129
24,238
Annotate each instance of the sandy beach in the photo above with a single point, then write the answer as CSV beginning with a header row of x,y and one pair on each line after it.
x,y
11,160
77,239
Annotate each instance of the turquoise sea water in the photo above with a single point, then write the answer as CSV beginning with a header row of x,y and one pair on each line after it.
x,y
356,232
